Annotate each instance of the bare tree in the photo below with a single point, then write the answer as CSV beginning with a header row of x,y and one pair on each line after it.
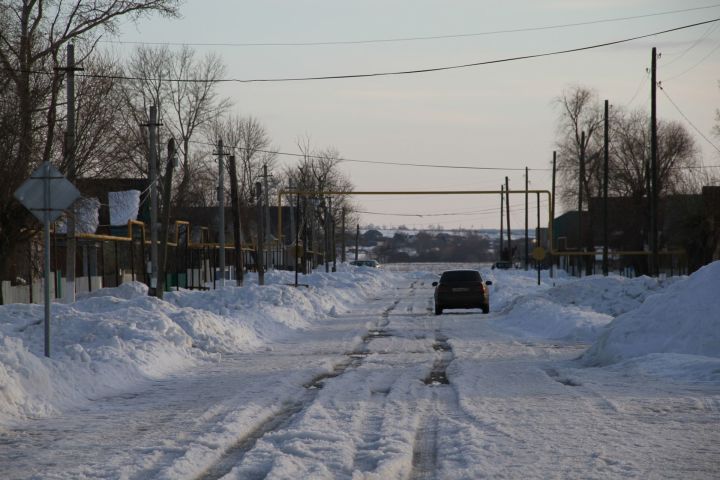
x,y
194,102
249,139
33,35
579,112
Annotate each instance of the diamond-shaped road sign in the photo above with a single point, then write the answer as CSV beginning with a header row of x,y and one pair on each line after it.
x,y
48,179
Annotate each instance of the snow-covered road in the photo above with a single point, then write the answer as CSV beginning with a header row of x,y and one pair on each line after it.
x,y
386,390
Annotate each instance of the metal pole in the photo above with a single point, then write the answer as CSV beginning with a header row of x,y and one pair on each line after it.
x,y
167,189
239,264
342,237
653,166
152,125
326,226
605,266
537,234
580,200
260,253
70,242
46,227
551,240
266,207
507,213
357,241
296,250
221,212
527,240
502,220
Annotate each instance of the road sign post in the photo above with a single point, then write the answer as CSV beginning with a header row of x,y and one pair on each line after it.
x,y
47,193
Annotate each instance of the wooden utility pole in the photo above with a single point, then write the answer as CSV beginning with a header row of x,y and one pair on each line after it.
x,y
260,251
71,243
167,188
152,128
606,155
221,210
326,242
296,250
527,240
343,236
235,202
357,241
502,220
537,235
507,214
580,189
552,214
654,266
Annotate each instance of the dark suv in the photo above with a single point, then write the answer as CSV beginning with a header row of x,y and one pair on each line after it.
x,y
461,289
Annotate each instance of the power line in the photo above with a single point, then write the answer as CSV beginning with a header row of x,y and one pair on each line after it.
x,y
378,162
697,42
696,64
691,124
398,72
411,39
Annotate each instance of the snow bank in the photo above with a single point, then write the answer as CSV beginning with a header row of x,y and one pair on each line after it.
x,y
571,309
114,338
684,319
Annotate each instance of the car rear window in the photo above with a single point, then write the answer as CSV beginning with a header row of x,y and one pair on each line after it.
x,y
460,276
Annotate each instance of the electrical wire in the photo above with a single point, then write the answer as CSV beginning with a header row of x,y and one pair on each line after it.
x,y
697,42
691,124
640,86
715,49
412,39
378,162
397,72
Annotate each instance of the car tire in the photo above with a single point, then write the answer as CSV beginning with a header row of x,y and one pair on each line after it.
x,y
438,310
486,309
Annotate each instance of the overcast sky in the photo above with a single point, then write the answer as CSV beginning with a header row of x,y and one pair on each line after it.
x,y
499,115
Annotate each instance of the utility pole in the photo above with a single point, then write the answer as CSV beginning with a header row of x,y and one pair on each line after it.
x,y
527,240
266,204
296,230
537,234
507,214
343,237
580,189
221,211
260,253
153,270
606,155
167,188
552,214
326,226
71,243
235,201
357,241
292,215
502,219
580,199
653,166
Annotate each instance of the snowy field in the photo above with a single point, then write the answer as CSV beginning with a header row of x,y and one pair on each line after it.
x,y
352,376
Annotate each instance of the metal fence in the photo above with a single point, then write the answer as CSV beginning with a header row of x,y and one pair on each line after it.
x,y
123,256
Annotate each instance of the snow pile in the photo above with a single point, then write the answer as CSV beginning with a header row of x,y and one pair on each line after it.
x,y
684,319
613,295
124,206
114,338
573,309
